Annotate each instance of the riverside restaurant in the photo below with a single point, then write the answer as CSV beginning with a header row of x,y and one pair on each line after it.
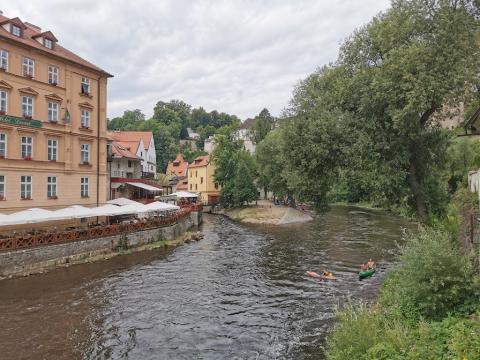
x,y
36,227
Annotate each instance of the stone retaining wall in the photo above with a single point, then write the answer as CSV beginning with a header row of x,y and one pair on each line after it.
x,y
43,257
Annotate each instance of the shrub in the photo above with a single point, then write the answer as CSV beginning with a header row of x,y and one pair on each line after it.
x,y
432,280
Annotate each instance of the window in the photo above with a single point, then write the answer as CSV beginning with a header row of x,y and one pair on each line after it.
x,y
3,102
16,30
25,187
27,106
52,149
2,187
52,111
48,43
3,145
196,186
196,173
85,86
190,186
129,163
85,119
216,186
27,147
3,59
201,180
28,67
51,186
52,75
84,187
84,153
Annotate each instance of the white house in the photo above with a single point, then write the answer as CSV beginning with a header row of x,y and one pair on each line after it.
x,y
140,143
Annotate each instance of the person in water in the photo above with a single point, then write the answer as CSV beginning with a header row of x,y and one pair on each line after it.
x,y
371,264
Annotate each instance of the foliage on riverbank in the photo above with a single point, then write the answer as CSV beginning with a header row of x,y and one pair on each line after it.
x,y
428,308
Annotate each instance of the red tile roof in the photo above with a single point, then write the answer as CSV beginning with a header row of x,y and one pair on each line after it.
x,y
178,166
200,161
132,137
29,33
120,150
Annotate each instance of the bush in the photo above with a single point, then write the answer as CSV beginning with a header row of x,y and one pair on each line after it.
x,y
433,279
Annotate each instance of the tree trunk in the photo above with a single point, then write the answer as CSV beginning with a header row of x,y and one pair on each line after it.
x,y
417,193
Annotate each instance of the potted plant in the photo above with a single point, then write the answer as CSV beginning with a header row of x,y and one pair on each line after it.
x,y
2,156
28,117
2,197
28,75
53,83
85,126
28,158
53,197
3,68
2,112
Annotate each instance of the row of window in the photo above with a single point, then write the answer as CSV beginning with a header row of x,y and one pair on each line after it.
x,y
52,189
53,109
28,70
52,149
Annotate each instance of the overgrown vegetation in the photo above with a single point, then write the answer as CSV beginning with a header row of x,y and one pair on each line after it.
x,y
428,308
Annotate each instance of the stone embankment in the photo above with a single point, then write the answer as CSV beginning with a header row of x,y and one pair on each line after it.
x,y
44,258
265,212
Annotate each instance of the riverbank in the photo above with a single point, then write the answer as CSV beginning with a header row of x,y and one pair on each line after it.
x,y
45,258
265,212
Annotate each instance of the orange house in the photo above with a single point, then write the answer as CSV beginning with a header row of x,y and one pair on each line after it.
x,y
201,179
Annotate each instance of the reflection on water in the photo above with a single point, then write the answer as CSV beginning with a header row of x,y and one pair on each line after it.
x,y
240,293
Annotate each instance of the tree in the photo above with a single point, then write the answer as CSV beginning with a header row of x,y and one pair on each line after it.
x,y
130,120
173,112
392,80
271,164
235,172
263,124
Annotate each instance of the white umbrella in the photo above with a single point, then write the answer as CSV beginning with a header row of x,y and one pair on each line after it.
x,y
29,216
122,202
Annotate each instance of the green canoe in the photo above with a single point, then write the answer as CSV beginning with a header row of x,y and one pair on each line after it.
x,y
366,273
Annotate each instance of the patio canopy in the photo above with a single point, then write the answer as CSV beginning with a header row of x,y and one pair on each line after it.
x,y
122,202
144,186
36,215
184,194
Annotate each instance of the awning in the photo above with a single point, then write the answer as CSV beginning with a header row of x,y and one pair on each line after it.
x,y
144,186
122,202
184,194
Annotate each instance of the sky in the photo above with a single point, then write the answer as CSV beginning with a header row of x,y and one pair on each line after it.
x,y
232,56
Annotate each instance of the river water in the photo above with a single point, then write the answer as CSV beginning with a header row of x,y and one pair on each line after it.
x,y
240,293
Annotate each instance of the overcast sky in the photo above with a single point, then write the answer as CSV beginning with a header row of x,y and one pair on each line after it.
x,y
233,56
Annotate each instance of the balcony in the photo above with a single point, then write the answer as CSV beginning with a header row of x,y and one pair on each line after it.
x,y
147,175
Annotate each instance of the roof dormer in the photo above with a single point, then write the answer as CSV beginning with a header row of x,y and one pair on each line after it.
x,y
14,26
46,38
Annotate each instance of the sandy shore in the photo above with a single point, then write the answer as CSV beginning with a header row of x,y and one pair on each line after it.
x,y
267,213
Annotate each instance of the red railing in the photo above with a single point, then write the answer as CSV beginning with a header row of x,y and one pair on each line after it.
x,y
19,242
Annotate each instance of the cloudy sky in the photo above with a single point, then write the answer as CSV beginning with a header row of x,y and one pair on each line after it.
x,y
233,56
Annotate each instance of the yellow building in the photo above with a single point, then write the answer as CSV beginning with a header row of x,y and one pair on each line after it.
x,y
53,144
200,179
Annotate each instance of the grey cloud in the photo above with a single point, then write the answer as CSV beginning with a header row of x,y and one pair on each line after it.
x,y
233,56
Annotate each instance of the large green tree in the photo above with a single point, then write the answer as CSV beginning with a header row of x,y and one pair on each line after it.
x,y
264,123
386,92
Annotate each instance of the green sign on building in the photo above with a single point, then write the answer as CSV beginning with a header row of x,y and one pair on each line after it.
x,y
13,120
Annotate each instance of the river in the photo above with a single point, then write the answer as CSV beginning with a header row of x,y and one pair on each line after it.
x,y
240,293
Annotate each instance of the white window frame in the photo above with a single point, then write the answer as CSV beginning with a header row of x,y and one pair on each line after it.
x,y
25,187
27,146
85,116
48,43
86,86
3,101
3,145
4,59
53,111
52,149
27,106
28,66
16,30
52,186
84,187
3,187
53,75
84,153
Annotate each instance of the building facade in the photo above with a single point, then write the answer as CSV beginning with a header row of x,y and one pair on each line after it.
x,y
142,144
53,123
201,179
